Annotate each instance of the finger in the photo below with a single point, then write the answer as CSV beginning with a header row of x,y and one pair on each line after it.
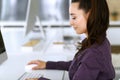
x,y
28,79
36,68
32,79
38,62
33,62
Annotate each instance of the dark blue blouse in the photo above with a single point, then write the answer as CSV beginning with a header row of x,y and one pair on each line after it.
x,y
93,63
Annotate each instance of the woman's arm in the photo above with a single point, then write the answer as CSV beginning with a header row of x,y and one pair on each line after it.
x,y
60,65
42,78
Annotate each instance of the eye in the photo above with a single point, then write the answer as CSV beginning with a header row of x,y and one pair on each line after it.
x,y
73,18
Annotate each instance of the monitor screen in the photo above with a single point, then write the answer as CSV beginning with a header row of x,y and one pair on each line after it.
x,y
2,47
3,55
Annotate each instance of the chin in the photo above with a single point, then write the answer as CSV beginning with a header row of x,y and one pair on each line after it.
x,y
78,32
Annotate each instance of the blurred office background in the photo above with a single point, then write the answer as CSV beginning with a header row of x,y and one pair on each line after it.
x,y
58,11
15,10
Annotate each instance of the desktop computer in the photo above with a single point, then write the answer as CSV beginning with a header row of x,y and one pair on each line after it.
x,y
3,54
31,18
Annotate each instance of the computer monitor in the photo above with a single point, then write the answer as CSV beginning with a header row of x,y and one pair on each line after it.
x,y
33,17
35,35
3,54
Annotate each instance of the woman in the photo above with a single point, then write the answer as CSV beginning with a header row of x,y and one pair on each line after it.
x,y
93,60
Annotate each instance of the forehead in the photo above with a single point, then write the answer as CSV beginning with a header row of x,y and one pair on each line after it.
x,y
74,7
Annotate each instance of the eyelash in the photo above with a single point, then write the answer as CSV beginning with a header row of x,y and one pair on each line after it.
x,y
73,18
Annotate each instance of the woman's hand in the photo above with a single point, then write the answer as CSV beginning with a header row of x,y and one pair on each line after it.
x,y
32,79
40,64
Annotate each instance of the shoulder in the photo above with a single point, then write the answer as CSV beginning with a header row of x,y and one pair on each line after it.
x,y
92,58
92,54
97,50
96,54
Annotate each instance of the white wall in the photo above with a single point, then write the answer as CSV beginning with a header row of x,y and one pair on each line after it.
x,y
113,35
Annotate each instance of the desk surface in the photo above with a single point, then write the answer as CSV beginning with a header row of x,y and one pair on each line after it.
x,y
14,67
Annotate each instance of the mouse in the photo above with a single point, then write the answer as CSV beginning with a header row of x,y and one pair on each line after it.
x,y
28,68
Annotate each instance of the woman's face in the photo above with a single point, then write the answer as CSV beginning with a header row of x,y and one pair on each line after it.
x,y
78,18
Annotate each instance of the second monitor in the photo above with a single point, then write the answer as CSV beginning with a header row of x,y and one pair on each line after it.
x,y
31,19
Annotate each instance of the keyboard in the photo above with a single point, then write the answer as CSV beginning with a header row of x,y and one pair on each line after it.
x,y
33,74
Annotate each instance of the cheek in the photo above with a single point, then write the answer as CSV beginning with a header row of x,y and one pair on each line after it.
x,y
81,24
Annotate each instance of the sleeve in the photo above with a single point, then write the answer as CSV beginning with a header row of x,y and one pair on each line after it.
x,y
42,78
89,68
60,65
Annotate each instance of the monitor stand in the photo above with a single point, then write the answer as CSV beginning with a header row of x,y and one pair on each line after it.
x,y
35,40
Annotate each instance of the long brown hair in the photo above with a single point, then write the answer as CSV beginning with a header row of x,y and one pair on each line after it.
x,y
98,21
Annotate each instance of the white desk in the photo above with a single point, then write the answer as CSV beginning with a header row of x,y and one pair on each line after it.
x,y
13,68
